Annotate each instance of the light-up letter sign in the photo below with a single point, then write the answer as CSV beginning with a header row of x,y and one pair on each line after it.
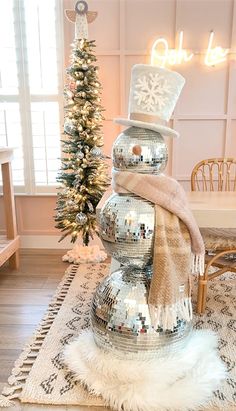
x,y
215,55
161,55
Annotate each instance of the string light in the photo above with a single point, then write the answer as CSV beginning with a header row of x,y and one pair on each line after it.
x,y
82,122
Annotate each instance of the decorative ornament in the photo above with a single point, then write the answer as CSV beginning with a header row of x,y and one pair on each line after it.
x,y
151,90
81,218
96,151
69,128
72,86
81,17
80,155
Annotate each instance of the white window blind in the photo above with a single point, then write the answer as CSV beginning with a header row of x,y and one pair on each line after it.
x,y
31,90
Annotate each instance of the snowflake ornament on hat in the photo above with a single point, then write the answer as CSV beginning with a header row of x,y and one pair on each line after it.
x,y
154,92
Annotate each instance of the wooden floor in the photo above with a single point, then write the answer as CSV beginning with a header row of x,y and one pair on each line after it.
x,y
24,297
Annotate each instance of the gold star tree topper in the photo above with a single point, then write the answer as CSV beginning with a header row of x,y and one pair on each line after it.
x,y
81,17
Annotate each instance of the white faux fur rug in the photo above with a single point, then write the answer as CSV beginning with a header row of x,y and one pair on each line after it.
x,y
182,381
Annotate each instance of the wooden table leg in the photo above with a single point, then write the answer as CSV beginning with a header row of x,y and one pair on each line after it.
x,y
14,260
10,212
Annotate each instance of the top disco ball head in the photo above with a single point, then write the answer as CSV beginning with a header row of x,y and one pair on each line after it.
x,y
140,150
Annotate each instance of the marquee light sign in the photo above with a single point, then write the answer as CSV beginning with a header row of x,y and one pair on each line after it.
x,y
161,55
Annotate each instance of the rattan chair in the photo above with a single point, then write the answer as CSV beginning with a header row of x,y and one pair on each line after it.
x,y
215,174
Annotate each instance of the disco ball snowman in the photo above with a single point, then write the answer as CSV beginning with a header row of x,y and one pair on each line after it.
x,y
120,316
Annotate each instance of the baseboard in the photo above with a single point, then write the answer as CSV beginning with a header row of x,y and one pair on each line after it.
x,y
49,242
42,251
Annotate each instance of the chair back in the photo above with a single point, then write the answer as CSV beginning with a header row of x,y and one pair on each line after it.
x,y
214,174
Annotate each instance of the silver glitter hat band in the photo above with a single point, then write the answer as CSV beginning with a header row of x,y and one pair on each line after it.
x,y
147,118
157,127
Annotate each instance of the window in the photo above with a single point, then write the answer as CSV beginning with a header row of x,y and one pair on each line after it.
x,y
31,89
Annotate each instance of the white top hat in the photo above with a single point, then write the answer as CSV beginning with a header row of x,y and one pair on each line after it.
x,y
154,92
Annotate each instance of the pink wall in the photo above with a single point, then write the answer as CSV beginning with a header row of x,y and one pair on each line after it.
x,y
206,113
34,215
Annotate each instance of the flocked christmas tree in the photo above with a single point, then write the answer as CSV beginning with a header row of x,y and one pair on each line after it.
x,y
83,174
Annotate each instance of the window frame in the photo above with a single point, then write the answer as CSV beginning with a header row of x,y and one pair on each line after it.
x,y
24,98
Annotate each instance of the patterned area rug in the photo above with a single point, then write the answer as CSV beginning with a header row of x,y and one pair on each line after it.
x,y
39,375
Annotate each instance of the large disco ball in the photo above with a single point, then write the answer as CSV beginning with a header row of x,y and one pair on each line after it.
x,y
126,227
121,322
140,150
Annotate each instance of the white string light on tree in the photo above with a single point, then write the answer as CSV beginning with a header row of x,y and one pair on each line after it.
x,y
83,173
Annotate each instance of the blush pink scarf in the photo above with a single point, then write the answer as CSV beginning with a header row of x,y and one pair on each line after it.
x,y
177,236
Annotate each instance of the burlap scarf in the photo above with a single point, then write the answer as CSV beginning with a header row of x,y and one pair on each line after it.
x,y
178,245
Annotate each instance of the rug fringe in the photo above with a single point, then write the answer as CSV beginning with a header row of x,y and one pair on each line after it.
x,y
5,401
24,363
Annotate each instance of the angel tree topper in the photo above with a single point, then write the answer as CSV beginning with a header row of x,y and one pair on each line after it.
x,y
81,17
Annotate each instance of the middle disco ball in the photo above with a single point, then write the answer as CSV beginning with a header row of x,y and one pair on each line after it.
x,y
126,227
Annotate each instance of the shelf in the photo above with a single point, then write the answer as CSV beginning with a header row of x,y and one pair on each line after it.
x,y
9,244
8,248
